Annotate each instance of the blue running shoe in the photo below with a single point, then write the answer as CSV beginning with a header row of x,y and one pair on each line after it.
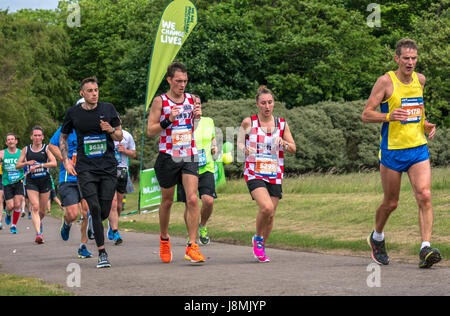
x,y
8,218
117,239
65,231
29,215
110,232
83,253
13,230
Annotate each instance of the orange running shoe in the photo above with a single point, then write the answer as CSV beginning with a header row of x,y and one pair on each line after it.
x,y
193,254
165,250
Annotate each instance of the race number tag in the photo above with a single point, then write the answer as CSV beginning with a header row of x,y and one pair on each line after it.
x,y
39,172
414,107
201,158
266,165
13,176
94,146
118,155
181,136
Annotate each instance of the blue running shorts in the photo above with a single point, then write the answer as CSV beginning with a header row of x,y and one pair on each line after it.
x,y
402,159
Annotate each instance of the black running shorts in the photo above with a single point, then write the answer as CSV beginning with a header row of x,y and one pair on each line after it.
x,y
102,184
69,193
206,185
41,185
168,171
274,190
11,190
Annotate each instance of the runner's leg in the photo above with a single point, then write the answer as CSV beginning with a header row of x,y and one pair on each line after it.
x,y
164,210
33,197
190,184
391,181
265,212
269,227
420,178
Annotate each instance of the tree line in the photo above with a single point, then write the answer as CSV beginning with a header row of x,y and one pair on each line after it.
x,y
310,53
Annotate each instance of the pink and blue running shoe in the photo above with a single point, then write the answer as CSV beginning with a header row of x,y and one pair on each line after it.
x,y
259,249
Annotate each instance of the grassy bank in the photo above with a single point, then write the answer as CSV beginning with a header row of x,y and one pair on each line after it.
x,y
11,285
324,213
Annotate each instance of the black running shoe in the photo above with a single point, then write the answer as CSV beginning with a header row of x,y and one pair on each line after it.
x,y
103,261
428,257
379,254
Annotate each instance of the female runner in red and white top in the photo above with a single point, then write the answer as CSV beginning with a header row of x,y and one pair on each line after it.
x,y
264,139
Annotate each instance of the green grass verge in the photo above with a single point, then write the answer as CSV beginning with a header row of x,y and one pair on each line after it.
x,y
319,213
12,285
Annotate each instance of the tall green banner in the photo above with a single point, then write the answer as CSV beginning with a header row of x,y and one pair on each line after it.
x,y
177,21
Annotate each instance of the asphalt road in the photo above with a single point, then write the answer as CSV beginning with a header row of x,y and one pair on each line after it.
x,y
230,270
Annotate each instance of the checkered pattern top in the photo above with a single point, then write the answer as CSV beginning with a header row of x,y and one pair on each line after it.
x,y
268,162
177,140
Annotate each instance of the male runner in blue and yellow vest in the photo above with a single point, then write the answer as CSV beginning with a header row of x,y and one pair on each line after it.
x,y
403,148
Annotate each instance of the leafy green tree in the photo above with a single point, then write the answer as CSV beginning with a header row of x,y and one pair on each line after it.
x,y
30,88
433,37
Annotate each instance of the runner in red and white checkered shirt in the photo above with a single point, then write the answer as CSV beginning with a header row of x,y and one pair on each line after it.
x,y
172,117
264,139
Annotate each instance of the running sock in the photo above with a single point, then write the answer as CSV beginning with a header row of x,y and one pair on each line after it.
x,y
100,251
377,236
16,216
425,244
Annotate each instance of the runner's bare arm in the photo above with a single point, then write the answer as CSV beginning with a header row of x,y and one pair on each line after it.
x,y
378,95
129,152
243,131
430,128
51,160
117,135
64,147
288,141
115,132
153,126
22,162
55,151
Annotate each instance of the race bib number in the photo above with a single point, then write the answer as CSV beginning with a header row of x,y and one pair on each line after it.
x,y
181,136
13,176
414,107
266,165
118,155
39,172
201,158
94,146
